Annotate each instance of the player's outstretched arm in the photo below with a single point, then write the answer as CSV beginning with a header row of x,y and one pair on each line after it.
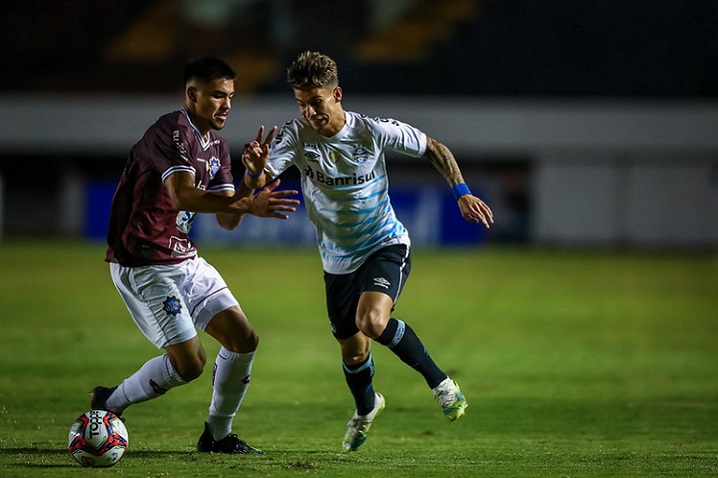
x,y
267,203
472,208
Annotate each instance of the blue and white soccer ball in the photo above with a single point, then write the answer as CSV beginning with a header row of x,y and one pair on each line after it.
x,y
98,438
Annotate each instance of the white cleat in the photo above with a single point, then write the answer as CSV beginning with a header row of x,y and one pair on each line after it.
x,y
358,426
449,395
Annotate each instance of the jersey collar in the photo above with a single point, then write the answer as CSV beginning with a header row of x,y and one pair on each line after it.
x,y
204,142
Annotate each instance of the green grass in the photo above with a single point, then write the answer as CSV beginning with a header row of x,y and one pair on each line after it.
x,y
574,364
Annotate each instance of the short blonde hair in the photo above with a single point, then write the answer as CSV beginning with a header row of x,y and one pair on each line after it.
x,y
310,70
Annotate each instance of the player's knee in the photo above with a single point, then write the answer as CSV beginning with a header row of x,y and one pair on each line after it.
x,y
245,342
371,323
250,341
192,368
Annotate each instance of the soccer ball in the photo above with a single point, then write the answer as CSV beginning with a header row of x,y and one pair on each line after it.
x,y
98,438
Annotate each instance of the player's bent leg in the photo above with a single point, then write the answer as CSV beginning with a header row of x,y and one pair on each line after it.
x,y
188,358
403,341
373,313
358,367
230,381
155,378
157,307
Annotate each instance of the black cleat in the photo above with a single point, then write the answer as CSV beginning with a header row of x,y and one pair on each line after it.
x,y
98,398
229,444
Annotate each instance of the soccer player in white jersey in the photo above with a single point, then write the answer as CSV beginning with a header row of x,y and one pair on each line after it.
x,y
363,246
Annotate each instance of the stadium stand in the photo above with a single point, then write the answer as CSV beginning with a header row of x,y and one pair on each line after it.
x,y
452,47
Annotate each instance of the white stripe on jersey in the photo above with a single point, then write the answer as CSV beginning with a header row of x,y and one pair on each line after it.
x,y
176,169
221,187
345,183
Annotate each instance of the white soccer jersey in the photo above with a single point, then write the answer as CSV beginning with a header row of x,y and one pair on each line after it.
x,y
345,183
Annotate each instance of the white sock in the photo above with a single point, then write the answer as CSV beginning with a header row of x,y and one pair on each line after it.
x,y
230,380
153,379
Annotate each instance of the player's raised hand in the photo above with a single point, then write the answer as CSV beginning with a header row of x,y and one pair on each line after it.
x,y
475,210
255,154
270,203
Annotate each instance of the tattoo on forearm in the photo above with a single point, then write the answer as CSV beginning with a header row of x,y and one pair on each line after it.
x,y
444,161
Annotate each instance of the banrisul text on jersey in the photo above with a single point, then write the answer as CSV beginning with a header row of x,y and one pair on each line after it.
x,y
353,180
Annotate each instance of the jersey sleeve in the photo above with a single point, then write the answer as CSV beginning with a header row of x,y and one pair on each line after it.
x,y
283,150
399,137
171,153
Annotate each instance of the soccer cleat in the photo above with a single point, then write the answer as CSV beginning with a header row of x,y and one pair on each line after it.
x,y
99,396
448,394
358,426
229,444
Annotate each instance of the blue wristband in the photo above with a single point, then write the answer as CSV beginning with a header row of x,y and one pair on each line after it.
x,y
255,176
460,190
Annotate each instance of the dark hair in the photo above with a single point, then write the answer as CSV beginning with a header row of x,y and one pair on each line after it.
x,y
310,70
206,69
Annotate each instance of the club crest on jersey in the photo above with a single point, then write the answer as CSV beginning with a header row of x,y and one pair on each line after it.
x,y
360,153
172,305
212,167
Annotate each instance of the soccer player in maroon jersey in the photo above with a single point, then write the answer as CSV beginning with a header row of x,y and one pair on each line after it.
x,y
179,168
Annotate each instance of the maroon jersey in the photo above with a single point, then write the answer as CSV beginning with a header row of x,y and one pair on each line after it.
x,y
145,228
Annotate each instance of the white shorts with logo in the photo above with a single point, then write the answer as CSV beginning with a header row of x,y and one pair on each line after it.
x,y
167,302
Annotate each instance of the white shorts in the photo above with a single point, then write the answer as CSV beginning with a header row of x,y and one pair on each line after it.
x,y
167,302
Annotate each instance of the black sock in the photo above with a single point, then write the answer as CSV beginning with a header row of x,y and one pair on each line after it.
x,y
402,340
359,380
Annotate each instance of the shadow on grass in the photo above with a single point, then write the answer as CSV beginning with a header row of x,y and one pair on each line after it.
x,y
52,454
156,454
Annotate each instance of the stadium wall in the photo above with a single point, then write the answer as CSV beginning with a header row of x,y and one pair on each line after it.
x,y
636,173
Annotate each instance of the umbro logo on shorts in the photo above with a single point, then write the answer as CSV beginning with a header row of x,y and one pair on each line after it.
x,y
382,282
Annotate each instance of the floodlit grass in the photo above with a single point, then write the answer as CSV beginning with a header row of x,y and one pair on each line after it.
x,y
574,364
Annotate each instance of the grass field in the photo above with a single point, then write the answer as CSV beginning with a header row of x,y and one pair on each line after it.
x,y
574,364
